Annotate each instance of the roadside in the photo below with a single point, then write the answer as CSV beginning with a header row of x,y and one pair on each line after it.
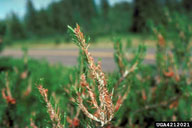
x,y
102,42
68,57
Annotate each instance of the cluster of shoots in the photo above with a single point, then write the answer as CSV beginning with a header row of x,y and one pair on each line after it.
x,y
53,113
166,59
174,60
6,92
127,66
93,88
102,104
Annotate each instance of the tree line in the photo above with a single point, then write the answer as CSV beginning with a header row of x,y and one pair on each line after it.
x,y
95,19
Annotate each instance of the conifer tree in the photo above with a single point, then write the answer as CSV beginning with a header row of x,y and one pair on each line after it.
x,y
143,11
15,29
105,7
31,18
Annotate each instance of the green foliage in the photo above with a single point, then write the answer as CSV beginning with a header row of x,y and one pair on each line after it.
x,y
31,19
105,8
29,100
120,55
15,28
2,27
2,33
97,20
145,10
161,91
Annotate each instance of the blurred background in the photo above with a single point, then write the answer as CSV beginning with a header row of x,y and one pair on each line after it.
x,y
28,19
41,24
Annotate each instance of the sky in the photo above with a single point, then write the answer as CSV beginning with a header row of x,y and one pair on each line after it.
x,y
18,6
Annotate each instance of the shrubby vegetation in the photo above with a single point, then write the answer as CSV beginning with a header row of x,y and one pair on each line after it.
x,y
37,94
69,97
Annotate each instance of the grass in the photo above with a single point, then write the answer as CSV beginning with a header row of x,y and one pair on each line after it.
x,y
60,42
